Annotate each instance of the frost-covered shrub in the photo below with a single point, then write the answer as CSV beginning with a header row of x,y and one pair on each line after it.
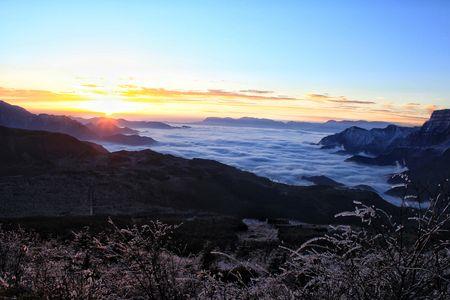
x,y
386,257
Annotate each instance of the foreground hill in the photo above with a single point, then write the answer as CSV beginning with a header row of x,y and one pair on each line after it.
x,y
77,178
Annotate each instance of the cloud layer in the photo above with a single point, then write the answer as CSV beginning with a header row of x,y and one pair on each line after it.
x,y
281,155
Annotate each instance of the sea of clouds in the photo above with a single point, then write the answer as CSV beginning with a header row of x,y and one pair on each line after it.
x,y
279,154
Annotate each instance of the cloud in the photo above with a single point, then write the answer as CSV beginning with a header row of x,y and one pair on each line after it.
x,y
132,91
90,85
318,96
256,91
37,95
276,154
340,99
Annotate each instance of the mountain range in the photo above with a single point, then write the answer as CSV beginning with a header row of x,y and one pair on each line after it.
x,y
424,150
127,123
101,131
328,126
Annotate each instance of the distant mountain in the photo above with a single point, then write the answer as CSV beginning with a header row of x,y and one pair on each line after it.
x,y
64,176
373,141
424,150
127,123
435,133
98,130
329,126
107,127
145,124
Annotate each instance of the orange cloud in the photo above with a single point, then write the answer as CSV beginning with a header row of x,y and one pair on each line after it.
x,y
132,91
340,99
37,95
90,85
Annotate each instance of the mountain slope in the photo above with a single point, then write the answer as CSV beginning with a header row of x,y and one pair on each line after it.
x,y
25,146
77,182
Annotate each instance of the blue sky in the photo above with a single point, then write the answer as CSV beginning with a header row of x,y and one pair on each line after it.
x,y
389,52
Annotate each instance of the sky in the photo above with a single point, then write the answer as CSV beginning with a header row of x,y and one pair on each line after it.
x,y
186,60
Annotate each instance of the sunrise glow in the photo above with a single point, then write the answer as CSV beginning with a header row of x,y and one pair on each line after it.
x,y
131,66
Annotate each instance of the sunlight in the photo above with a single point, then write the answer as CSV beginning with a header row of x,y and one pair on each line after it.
x,y
110,106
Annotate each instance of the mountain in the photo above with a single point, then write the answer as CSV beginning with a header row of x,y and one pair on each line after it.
x,y
107,127
373,141
329,126
145,124
21,148
17,117
100,130
243,122
127,123
435,133
77,178
425,151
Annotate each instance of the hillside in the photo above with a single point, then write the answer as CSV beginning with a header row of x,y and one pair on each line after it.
x,y
80,179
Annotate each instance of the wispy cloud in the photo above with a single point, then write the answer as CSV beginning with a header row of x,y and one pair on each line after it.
x,y
339,99
132,91
256,91
38,95
90,85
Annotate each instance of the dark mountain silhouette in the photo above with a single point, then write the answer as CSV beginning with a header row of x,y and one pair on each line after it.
x,y
107,127
21,148
17,117
127,123
102,130
63,176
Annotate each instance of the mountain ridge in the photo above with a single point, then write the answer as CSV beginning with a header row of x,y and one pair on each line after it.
x,y
330,125
17,117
